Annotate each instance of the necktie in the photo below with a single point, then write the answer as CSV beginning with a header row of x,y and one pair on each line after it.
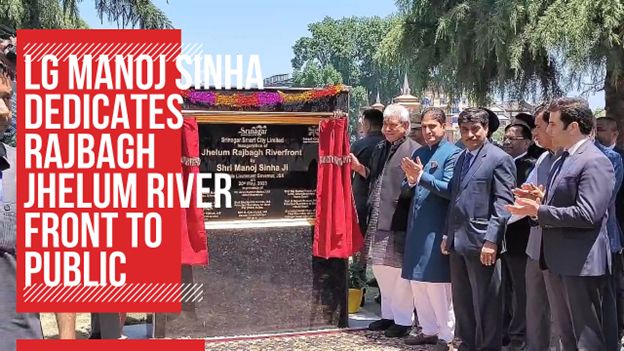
x,y
466,165
554,172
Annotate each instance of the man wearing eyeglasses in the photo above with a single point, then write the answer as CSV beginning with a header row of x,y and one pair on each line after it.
x,y
516,143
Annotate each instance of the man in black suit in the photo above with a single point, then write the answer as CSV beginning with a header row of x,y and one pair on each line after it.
x,y
516,143
362,149
372,121
607,134
480,188
528,119
573,217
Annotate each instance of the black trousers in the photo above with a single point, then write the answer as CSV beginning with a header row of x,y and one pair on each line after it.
x,y
13,325
477,302
612,305
514,298
106,325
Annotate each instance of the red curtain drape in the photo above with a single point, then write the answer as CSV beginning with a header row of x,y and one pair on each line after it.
x,y
194,243
336,231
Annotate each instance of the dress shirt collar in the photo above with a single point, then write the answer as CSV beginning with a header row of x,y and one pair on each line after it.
x,y
572,150
520,156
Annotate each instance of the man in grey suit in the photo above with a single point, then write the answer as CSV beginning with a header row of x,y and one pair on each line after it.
x,y
387,224
573,217
476,222
538,316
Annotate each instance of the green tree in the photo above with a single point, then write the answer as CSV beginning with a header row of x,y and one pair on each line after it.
x,y
512,48
349,45
64,14
312,75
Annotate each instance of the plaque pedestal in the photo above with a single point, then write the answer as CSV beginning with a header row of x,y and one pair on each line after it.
x,y
259,281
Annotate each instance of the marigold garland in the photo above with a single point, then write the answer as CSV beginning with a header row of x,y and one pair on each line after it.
x,y
261,98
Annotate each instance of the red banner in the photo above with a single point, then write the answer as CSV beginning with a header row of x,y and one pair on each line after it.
x,y
107,345
98,217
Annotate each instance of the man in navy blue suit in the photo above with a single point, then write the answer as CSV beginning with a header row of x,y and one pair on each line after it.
x,y
481,187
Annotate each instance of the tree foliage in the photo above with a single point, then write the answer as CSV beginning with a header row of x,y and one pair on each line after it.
x,y
64,14
313,75
349,45
508,47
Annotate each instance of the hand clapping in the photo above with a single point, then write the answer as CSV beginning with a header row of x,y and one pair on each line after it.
x,y
412,169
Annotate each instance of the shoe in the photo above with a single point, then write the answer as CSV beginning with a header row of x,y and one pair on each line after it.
x,y
421,339
363,302
95,336
381,324
397,331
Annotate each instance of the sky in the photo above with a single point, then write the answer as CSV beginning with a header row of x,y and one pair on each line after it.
x,y
268,28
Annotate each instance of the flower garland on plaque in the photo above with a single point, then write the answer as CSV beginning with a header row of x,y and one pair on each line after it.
x,y
260,99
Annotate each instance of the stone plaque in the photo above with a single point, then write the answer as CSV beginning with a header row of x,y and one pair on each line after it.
x,y
273,169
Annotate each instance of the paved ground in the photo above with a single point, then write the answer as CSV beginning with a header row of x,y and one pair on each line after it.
x,y
339,340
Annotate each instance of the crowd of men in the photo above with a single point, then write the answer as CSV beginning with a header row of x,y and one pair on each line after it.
x,y
494,247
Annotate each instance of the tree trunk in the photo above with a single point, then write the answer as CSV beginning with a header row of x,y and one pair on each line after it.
x,y
614,101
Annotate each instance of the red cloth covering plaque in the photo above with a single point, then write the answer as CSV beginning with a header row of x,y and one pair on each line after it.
x,y
194,243
336,231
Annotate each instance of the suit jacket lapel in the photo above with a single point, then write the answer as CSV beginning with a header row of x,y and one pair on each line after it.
x,y
475,165
565,169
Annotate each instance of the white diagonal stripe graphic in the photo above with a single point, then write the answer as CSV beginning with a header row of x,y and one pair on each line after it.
x,y
190,48
139,49
118,291
162,291
101,49
59,52
109,292
147,50
154,52
44,295
124,296
84,51
146,295
159,50
197,50
52,51
81,293
172,51
34,49
66,51
141,289
171,293
57,292
75,51
168,50
63,297
33,288
126,48
41,52
190,293
199,290
96,290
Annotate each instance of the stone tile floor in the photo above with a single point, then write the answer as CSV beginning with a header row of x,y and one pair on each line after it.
x,y
339,340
